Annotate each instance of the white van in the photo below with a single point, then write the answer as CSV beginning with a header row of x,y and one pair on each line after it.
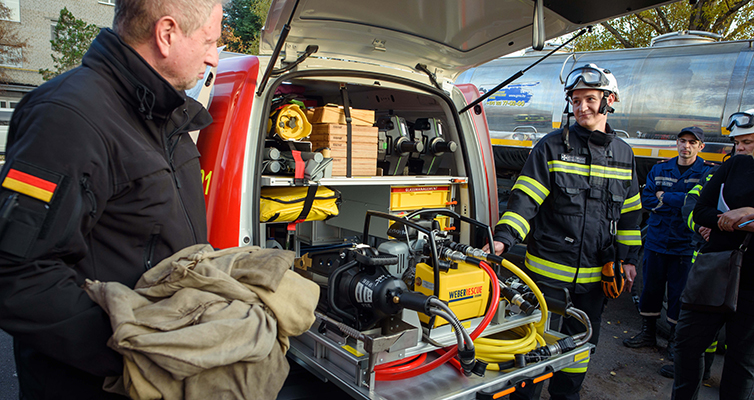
x,y
392,63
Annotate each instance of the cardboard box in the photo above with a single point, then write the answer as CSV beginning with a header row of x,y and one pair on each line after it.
x,y
334,136
364,140
358,132
359,166
335,115
340,149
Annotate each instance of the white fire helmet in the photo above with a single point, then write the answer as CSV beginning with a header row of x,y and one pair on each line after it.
x,y
741,123
591,76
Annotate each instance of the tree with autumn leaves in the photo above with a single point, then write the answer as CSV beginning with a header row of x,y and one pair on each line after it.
x,y
11,45
242,23
731,19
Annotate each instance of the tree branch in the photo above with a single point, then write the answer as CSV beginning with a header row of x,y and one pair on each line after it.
x,y
732,10
617,35
649,22
664,20
696,15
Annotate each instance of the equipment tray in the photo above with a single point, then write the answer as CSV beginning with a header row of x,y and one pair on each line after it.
x,y
347,368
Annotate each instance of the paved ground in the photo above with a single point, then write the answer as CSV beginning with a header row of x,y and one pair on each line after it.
x,y
8,380
615,372
620,373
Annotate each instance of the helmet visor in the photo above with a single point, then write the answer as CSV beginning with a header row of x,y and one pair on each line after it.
x,y
741,120
588,76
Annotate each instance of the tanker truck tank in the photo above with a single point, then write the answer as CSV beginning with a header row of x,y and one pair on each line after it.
x,y
664,89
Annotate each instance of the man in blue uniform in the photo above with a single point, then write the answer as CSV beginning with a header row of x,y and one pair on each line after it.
x,y
578,195
668,246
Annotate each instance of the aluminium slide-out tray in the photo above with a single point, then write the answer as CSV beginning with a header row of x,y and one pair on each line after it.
x,y
330,360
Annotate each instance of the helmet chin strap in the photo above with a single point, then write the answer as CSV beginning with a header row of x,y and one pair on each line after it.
x,y
566,136
604,108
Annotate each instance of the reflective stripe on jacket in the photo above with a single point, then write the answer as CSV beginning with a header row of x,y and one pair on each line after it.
x,y
687,211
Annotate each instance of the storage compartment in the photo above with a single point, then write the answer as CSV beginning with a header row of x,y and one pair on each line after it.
x,y
404,143
417,135
318,233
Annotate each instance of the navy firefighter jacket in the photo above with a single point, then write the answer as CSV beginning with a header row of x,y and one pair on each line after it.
x,y
667,232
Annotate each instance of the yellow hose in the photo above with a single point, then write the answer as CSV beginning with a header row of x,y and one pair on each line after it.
x,y
534,288
495,351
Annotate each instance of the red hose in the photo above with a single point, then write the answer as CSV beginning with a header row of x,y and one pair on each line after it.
x,y
405,364
395,376
453,360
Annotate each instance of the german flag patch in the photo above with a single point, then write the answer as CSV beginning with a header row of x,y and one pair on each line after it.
x,y
32,181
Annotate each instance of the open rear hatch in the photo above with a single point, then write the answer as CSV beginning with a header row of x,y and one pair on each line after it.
x,y
448,36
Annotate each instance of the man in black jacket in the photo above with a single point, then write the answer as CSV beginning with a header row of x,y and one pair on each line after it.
x,y
101,181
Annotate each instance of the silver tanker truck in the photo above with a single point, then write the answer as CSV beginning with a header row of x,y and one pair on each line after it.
x,y
683,79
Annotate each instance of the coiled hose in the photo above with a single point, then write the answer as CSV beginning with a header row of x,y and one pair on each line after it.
x,y
499,353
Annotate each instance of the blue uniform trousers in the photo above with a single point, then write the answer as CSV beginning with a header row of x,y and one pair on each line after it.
x,y
658,270
696,330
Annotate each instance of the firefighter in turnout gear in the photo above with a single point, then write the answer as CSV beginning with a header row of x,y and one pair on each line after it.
x,y
577,200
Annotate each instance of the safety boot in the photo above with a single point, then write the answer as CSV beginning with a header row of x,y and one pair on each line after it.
x,y
648,335
668,371
709,359
671,344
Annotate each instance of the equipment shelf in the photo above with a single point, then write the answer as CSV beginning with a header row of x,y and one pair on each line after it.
x,y
272,180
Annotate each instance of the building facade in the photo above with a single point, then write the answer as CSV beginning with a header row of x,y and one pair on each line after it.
x,y
35,20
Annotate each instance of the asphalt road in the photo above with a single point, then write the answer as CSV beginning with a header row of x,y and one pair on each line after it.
x,y
8,380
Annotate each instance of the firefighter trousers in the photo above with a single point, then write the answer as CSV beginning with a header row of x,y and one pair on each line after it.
x,y
566,384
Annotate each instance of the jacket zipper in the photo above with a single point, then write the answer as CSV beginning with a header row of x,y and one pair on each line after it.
x,y
150,246
89,194
77,210
169,154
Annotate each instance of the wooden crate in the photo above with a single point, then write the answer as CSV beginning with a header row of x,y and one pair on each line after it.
x,y
335,115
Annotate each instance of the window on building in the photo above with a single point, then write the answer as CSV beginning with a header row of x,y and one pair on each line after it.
x,y
111,2
6,104
11,56
15,10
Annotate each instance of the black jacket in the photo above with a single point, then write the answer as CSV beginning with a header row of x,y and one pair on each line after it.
x,y
573,203
102,182
730,186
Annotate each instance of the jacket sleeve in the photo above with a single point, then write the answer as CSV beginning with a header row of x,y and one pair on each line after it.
x,y
529,192
674,199
687,211
45,219
629,235
705,211
648,198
